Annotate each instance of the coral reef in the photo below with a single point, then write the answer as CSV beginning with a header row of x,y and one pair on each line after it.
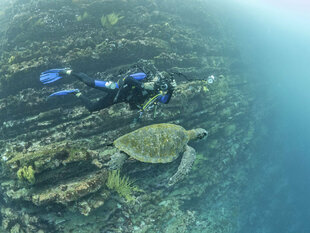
x,y
23,222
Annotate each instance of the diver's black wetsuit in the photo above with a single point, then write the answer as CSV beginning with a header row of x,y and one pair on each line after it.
x,y
130,91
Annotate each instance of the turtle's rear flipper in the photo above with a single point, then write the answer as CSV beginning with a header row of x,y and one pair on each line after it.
x,y
117,161
185,166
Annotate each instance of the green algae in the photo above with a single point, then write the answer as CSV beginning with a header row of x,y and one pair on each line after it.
x,y
47,157
26,173
11,59
83,17
122,185
110,19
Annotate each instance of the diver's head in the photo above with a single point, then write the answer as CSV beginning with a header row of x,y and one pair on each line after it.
x,y
163,86
162,81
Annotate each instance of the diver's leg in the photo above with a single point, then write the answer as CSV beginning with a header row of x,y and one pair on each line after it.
x,y
102,103
98,84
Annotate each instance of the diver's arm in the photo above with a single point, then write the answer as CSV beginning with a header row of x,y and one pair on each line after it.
x,y
165,98
133,82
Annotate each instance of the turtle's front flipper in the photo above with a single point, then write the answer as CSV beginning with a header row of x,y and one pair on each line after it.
x,y
185,166
117,161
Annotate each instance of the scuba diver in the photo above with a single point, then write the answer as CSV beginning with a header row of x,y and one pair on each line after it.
x,y
140,90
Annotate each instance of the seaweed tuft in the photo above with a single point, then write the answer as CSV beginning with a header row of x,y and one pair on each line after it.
x,y
122,185
26,173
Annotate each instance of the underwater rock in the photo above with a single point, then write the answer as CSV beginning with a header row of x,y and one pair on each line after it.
x,y
69,168
68,148
48,157
13,221
72,190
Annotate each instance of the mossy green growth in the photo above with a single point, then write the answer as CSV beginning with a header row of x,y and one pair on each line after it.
x,y
103,21
114,18
80,18
45,156
26,173
122,185
110,19
11,59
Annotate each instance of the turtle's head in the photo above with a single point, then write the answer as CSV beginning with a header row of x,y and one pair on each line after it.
x,y
197,134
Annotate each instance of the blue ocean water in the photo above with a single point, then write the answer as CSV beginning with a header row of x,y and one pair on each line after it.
x,y
274,42
274,46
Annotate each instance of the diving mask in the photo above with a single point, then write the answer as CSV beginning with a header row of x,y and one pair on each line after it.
x,y
164,87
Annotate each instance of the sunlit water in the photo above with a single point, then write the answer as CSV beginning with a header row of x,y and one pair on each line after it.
x,y
274,40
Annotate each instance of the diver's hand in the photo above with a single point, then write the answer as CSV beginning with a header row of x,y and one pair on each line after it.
x,y
173,84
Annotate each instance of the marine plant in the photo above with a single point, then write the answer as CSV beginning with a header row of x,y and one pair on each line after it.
x,y
26,173
110,19
11,59
122,185
82,17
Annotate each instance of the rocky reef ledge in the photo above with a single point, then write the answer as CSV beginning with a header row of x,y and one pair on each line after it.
x,y
53,171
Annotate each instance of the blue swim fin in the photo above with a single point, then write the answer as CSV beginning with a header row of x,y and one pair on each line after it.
x,y
64,92
52,75
138,76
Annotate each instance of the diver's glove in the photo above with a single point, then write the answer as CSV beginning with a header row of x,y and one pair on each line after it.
x,y
173,84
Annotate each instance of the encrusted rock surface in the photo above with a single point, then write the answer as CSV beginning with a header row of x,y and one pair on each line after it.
x,y
68,147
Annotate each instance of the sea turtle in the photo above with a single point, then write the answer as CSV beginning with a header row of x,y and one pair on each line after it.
x,y
158,143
